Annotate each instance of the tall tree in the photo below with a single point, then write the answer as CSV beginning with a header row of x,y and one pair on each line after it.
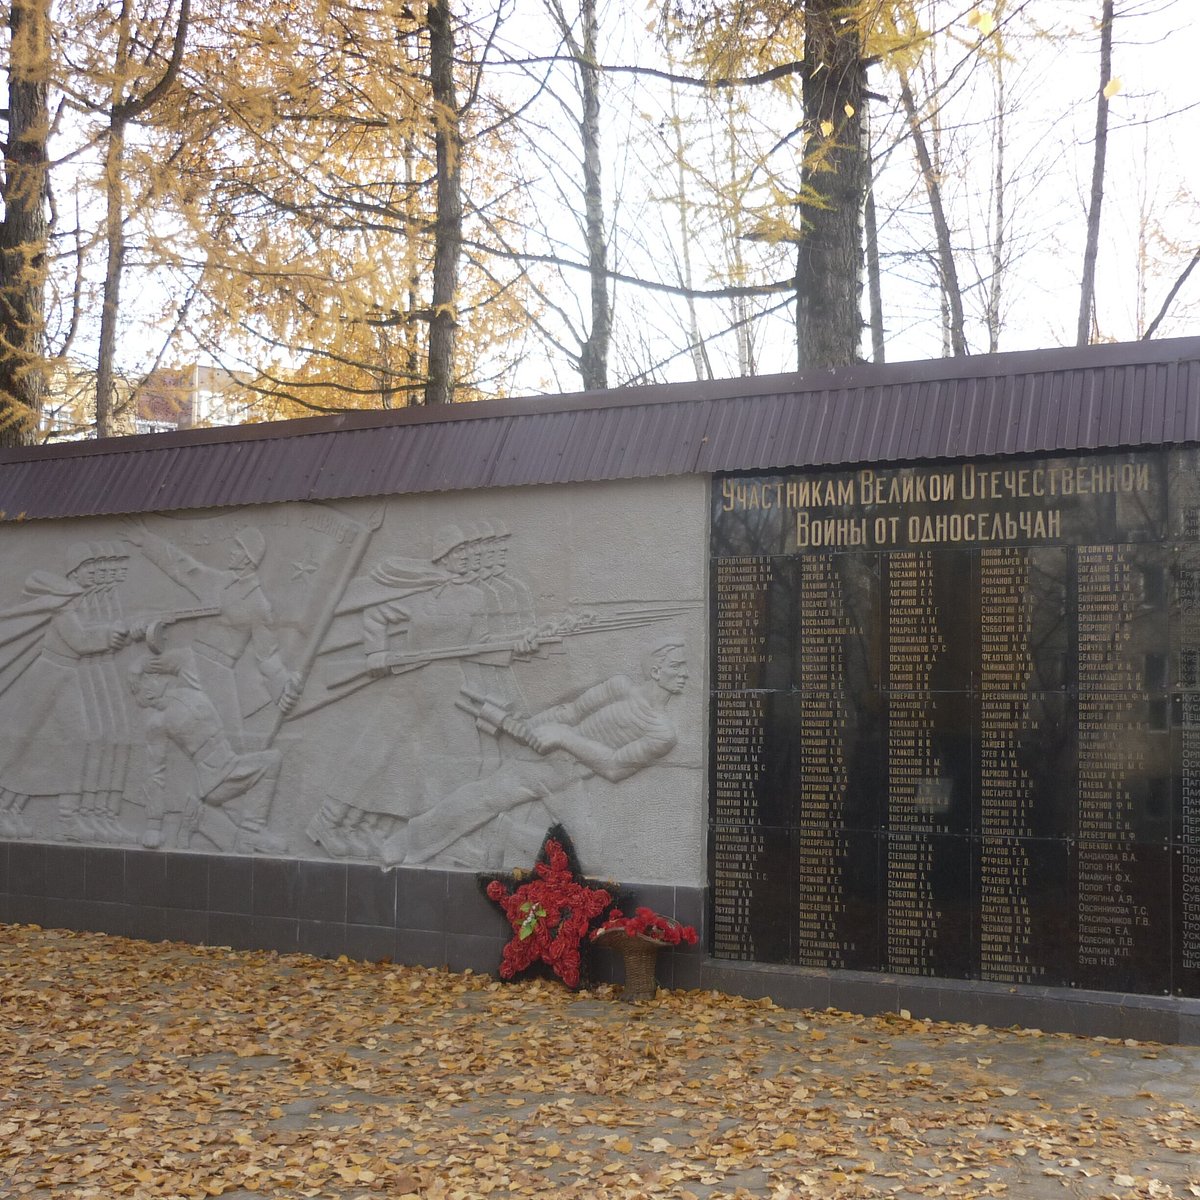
x,y
321,207
955,228
819,200
931,177
833,187
443,318
1087,284
997,213
131,96
24,228
593,356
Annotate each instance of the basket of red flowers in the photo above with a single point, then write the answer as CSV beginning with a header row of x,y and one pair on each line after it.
x,y
638,939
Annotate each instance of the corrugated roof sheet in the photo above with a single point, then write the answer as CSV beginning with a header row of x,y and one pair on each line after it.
x,y
1136,394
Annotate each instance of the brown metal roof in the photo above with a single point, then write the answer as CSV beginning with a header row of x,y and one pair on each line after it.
x,y
1133,394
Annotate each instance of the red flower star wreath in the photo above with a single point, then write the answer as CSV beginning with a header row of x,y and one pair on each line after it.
x,y
551,914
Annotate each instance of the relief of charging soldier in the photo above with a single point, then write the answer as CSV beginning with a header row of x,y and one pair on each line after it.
x,y
612,730
240,622
450,628
419,619
63,707
227,795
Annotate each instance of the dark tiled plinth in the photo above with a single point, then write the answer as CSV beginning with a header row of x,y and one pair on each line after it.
x,y
370,896
235,930
421,900
473,952
230,884
275,887
421,948
321,891
322,939
65,874
440,918
370,943
103,877
23,910
185,925
27,869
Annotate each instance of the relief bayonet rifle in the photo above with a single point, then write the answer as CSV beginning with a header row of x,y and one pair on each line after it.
x,y
150,628
501,651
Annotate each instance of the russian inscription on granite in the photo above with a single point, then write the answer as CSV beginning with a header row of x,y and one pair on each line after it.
x,y
957,720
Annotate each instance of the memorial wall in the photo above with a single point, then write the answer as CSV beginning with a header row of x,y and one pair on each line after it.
x,y
955,718
417,681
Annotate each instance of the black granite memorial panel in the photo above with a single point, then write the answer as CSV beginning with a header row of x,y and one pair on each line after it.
x,y
926,919
750,517
758,745
1025,637
1111,499
837,643
928,763
956,722
837,880
1123,929
1185,911
754,623
753,892
1023,761
1185,763
1184,608
1024,909
1124,753
930,636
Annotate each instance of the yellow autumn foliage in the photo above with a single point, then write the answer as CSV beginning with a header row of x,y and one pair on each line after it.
x,y
300,200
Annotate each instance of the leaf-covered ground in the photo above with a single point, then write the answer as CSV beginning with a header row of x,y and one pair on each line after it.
x,y
137,1070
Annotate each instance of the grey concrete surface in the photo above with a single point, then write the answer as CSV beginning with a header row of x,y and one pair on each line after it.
x,y
161,1070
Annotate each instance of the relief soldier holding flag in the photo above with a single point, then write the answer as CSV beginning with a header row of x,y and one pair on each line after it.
x,y
243,620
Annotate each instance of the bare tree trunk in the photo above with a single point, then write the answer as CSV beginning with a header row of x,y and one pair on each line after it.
x,y
1152,328
124,110
735,238
947,345
874,277
443,320
874,281
387,373
110,308
24,230
594,359
833,182
996,283
947,270
1087,285
412,348
593,356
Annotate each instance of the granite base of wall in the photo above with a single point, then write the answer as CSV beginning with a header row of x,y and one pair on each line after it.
x,y
440,918
414,916
1169,1019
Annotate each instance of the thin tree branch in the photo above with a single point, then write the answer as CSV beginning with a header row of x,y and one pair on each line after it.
x,y
1162,312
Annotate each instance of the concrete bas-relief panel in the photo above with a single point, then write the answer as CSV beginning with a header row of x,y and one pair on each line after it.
x,y
413,681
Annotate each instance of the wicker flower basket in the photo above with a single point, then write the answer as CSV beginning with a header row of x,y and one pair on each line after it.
x,y
640,955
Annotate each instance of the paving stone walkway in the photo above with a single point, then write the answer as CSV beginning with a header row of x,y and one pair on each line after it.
x,y
136,1070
